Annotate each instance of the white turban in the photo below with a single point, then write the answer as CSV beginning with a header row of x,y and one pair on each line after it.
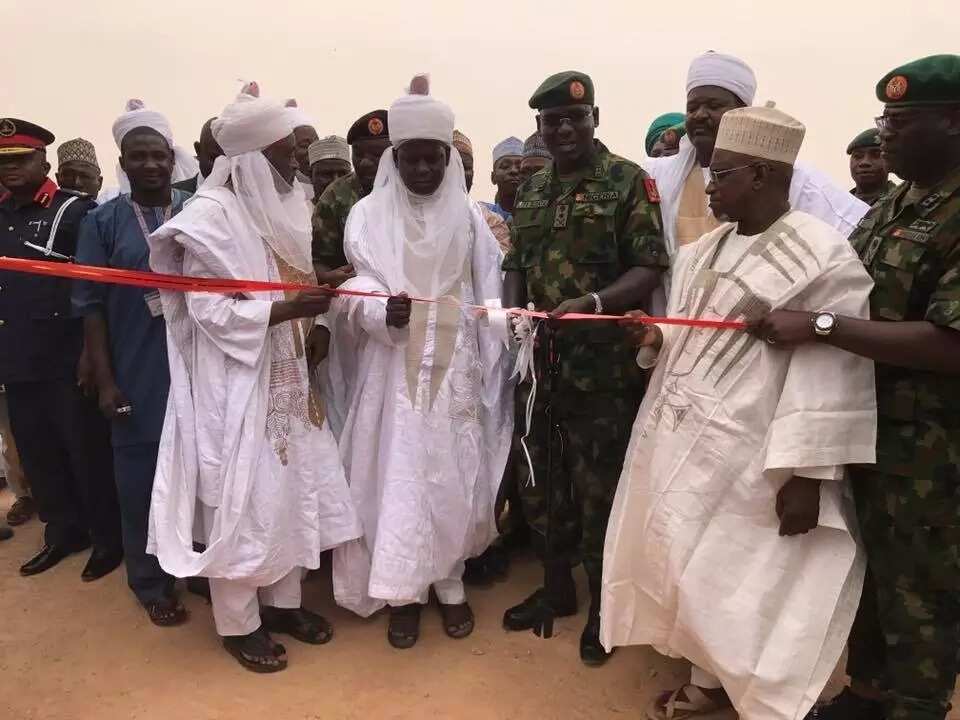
x,y
251,123
277,209
138,116
420,117
298,116
725,71
184,163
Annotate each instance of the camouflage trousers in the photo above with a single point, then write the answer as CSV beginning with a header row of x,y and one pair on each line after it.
x,y
906,637
588,452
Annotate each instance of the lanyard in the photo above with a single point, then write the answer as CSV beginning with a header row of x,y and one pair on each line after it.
x,y
138,211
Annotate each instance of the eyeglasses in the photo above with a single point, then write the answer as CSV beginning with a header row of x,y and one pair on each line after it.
x,y
717,175
896,122
574,117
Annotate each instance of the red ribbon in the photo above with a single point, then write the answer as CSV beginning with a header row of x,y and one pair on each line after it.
x,y
182,283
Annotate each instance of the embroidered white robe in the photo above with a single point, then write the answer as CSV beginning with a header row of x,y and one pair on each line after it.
x,y
693,562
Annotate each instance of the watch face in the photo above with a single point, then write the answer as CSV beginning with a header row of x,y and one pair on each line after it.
x,y
824,322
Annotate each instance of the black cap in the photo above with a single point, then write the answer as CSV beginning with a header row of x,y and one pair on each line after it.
x,y
373,125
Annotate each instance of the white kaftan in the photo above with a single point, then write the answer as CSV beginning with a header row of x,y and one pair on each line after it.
x,y
693,562
423,415
244,440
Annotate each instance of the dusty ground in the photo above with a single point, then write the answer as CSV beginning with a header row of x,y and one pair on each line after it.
x,y
78,651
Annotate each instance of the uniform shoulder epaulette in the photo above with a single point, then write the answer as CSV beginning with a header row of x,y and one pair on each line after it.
x,y
623,161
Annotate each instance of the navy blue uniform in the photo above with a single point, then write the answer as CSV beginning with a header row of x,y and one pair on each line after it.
x,y
63,440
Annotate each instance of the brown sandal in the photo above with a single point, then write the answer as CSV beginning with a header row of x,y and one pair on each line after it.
x,y
403,631
458,621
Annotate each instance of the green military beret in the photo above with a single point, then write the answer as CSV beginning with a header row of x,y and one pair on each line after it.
x,y
933,80
566,88
867,139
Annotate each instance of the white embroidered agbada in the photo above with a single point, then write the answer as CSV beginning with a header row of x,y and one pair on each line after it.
x,y
693,563
246,458
424,413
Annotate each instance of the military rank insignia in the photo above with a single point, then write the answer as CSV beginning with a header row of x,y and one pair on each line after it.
x,y
561,217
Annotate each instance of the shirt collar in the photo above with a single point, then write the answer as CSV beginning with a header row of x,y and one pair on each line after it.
x,y
43,196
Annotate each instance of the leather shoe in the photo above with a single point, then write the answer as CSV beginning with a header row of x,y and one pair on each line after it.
x,y
22,510
101,562
591,650
528,615
49,556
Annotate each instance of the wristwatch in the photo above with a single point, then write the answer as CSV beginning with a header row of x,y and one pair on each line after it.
x,y
597,304
824,323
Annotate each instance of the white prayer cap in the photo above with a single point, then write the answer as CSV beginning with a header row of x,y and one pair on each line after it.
x,y
761,132
300,118
725,71
137,116
418,116
331,147
251,123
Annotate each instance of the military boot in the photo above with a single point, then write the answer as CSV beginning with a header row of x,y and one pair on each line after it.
x,y
848,706
559,591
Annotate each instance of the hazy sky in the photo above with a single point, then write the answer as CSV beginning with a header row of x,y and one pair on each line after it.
x,y
72,66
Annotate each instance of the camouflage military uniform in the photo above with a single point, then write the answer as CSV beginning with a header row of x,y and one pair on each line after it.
x,y
330,219
874,199
907,633
572,236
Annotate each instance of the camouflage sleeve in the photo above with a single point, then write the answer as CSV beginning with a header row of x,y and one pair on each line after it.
x,y
944,306
327,231
640,243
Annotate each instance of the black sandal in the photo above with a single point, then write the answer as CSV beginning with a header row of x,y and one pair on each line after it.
x,y
458,620
300,624
403,631
257,652
167,612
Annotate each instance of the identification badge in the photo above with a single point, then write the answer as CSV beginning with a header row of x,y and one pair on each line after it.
x,y
560,219
597,196
154,305
532,204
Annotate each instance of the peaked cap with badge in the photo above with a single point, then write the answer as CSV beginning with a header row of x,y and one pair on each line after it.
x,y
19,137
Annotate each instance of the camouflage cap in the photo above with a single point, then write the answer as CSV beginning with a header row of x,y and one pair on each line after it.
x,y
867,139
565,88
933,80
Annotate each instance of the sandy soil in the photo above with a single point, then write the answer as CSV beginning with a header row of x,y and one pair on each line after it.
x,y
77,651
